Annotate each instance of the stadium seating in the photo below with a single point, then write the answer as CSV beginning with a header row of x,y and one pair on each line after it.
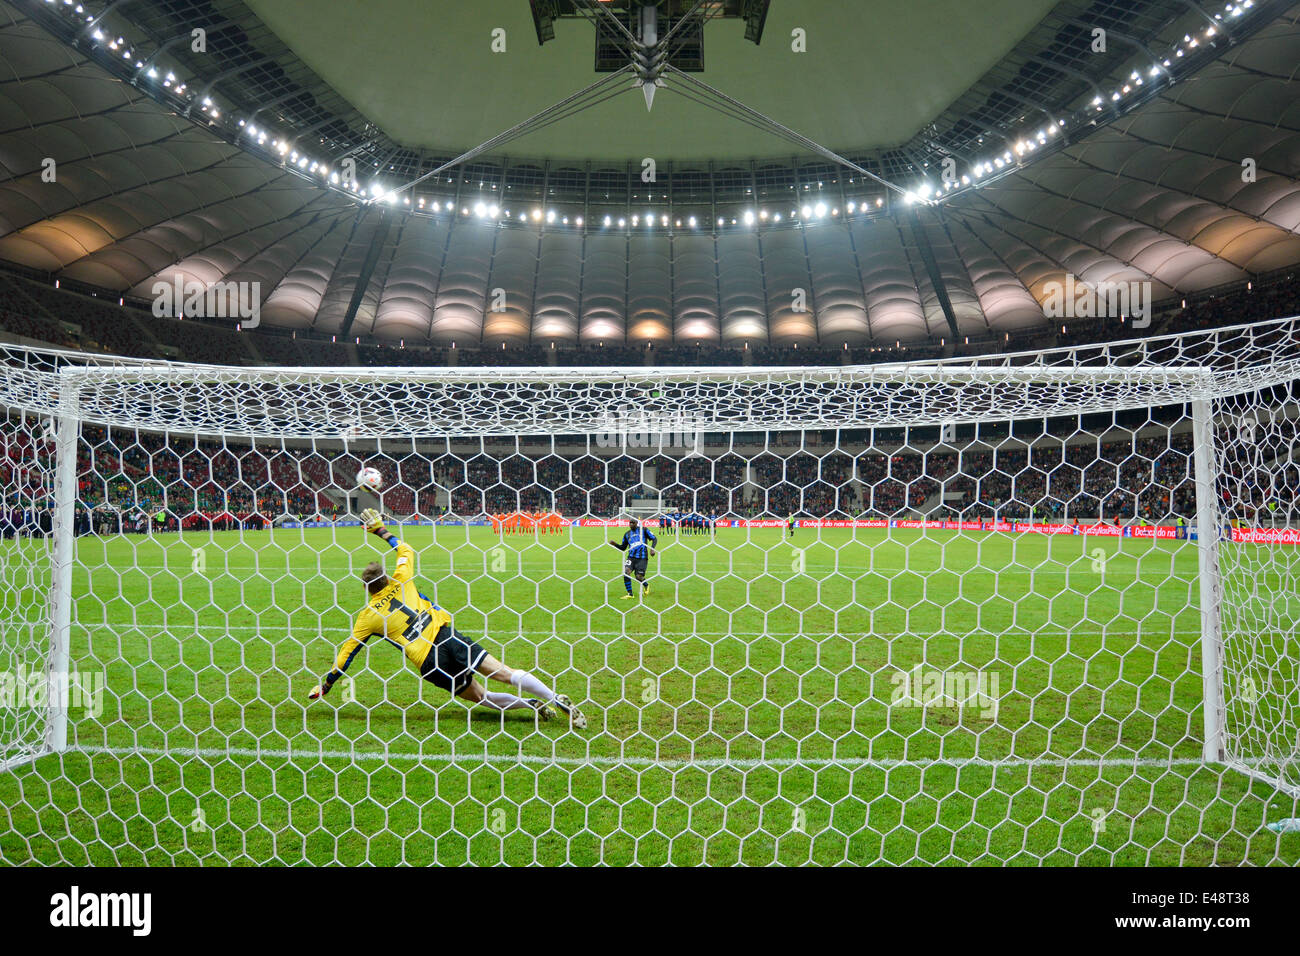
x,y
200,483
34,311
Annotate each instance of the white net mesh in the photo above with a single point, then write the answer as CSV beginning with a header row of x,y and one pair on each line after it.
x,y
1258,472
26,520
954,612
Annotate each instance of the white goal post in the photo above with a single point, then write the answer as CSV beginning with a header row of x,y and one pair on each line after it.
x,y
1071,536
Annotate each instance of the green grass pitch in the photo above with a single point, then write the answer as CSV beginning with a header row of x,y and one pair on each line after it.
x,y
744,712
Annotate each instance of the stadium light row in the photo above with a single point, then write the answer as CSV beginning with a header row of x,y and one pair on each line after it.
x,y
651,218
282,147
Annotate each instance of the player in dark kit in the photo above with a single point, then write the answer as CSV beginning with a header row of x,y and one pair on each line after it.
x,y
638,546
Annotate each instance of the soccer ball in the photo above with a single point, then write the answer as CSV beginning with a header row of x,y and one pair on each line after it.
x,y
370,478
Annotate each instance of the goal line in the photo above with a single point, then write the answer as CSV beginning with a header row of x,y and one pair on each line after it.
x,y
497,633
672,763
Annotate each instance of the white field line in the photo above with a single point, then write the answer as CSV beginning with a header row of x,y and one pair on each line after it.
x,y
612,578
773,564
219,629
613,575
708,763
709,557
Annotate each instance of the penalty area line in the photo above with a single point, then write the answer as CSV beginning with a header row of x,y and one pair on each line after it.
x,y
672,763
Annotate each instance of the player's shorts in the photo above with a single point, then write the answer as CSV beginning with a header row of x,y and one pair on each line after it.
x,y
452,660
635,565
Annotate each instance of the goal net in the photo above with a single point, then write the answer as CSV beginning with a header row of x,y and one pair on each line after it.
x,y
1027,609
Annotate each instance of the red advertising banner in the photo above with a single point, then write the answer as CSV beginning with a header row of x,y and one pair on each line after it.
x,y
615,523
1285,536
1266,535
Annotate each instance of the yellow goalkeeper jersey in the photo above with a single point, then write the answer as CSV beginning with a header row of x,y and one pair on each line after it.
x,y
399,614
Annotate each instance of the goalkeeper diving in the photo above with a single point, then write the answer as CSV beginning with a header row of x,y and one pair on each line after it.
x,y
396,611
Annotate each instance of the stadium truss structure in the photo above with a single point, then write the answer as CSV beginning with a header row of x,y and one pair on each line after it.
x,y
1037,608
252,75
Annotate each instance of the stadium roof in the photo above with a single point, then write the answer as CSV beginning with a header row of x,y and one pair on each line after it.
x,y
865,82
1143,183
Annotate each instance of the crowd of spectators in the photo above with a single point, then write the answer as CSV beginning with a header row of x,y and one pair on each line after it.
x,y
196,483
133,481
1144,478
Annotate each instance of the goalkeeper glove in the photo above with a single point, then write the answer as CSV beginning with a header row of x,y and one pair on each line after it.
x,y
323,688
374,522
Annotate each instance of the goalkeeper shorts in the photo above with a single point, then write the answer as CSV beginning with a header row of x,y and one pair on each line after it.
x,y
452,660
